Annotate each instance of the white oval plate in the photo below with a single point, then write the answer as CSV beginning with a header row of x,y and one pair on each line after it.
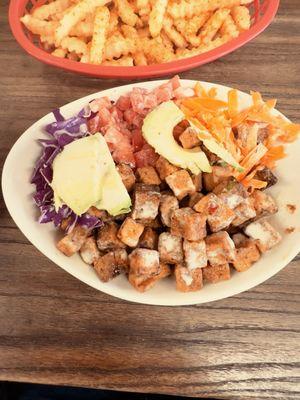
x,y
18,191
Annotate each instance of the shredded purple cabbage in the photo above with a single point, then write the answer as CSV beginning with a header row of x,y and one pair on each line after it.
x,y
62,132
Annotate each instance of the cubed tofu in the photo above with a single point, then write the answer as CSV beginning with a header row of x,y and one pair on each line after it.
x,y
194,198
149,239
216,273
195,254
168,203
130,232
220,248
264,233
239,239
197,181
101,214
146,202
72,242
189,138
181,183
231,192
188,224
186,280
107,238
218,174
245,255
170,248
111,264
244,212
89,251
179,128
150,223
263,203
127,176
143,283
164,168
219,215
144,262
148,175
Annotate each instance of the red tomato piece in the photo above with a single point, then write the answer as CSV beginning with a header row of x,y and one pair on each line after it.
x,y
146,156
123,103
93,124
137,140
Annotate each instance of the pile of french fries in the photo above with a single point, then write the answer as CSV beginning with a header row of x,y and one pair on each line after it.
x,y
136,32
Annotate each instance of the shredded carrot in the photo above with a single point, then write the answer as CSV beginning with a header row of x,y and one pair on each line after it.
x,y
220,119
254,183
232,103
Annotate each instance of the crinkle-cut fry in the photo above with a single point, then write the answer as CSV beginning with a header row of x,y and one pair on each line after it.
x,y
126,12
47,10
189,28
49,39
155,50
101,23
143,7
212,26
59,52
77,13
156,16
189,8
38,26
113,21
229,28
73,44
139,58
166,41
144,33
121,62
242,18
117,46
82,29
173,34
185,53
129,32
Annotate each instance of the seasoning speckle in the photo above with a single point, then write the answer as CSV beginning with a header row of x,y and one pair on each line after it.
x,y
291,208
291,229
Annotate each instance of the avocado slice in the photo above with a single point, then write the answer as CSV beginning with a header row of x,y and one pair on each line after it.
x,y
158,132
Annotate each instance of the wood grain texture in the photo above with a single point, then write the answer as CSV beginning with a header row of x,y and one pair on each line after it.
x,y
56,330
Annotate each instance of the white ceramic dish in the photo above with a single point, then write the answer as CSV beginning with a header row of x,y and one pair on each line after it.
x,y
18,191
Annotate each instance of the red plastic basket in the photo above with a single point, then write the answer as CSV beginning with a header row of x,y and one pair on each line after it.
x,y
263,12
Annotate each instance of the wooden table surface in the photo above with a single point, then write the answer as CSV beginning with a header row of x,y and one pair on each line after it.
x,y
56,330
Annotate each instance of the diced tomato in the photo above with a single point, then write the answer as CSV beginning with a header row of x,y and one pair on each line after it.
x,y
93,124
104,117
133,118
102,102
123,103
124,154
163,93
150,101
137,97
137,140
175,81
181,92
115,137
146,156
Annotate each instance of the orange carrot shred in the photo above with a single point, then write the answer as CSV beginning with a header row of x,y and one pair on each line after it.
x,y
232,102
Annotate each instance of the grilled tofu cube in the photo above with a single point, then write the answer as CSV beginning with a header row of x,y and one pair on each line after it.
x,y
127,176
89,251
243,212
181,183
216,273
143,283
170,248
189,138
148,175
263,203
219,215
101,214
218,174
264,233
186,280
144,262
73,241
239,239
245,255
149,239
197,181
194,198
220,248
195,254
231,192
111,264
130,232
107,238
164,168
188,224
146,202
168,203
